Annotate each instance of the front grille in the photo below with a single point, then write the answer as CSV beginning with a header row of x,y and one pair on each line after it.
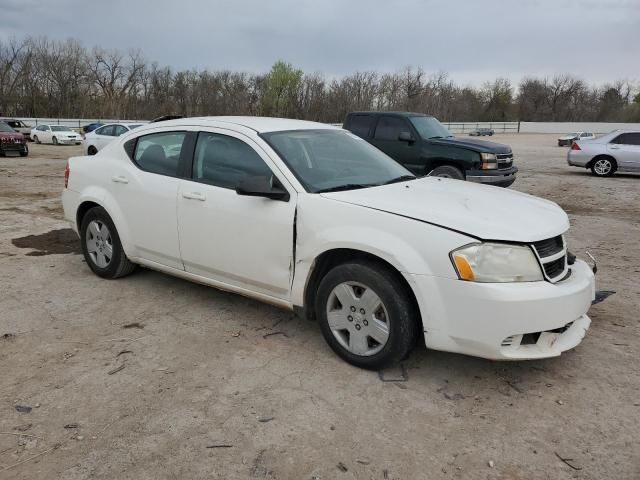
x,y
505,160
555,268
552,254
551,246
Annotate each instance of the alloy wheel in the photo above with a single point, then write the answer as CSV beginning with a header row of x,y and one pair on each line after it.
x,y
99,243
602,167
357,318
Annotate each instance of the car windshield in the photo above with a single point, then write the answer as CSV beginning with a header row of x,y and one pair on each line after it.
x,y
332,160
6,128
430,127
576,134
60,128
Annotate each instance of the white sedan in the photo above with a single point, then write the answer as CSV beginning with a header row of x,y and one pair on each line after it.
x,y
94,141
311,218
56,134
617,151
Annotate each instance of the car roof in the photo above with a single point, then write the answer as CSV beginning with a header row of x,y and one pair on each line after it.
x,y
393,114
258,124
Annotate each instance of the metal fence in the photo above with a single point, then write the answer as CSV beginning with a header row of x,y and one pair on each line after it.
x,y
73,122
498,127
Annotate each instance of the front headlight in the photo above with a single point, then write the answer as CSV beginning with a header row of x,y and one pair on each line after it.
x,y
488,161
496,262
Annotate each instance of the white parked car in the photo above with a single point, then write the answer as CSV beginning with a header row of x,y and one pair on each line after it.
x,y
56,134
311,218
572,137
617,151
94,141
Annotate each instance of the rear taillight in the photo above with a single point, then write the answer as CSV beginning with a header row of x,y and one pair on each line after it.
x,y
575,146
67,171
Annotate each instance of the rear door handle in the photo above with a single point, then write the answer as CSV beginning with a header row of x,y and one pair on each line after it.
x,y
119,179
194,196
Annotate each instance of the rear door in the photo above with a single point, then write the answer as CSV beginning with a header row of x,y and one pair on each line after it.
x,y
102,136
386,138
146,190
234,239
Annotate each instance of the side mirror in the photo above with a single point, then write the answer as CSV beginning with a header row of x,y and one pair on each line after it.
x,y
405,137
262,187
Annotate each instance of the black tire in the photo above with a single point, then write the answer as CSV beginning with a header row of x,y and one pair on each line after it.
x,y
119,265
401,321
24,154
91,150
36,139
447,171
54,140
603,166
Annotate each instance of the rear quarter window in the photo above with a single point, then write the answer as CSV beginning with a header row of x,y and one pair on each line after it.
x,y
159,152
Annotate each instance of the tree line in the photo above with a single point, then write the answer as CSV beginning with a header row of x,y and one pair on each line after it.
x,y
63,79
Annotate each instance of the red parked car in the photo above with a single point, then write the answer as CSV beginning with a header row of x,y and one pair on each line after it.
x,y
12,142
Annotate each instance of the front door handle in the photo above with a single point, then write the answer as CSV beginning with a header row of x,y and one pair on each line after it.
x,y
119,179
194,196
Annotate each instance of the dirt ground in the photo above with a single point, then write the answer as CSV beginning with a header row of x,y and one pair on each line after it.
x,y
152,377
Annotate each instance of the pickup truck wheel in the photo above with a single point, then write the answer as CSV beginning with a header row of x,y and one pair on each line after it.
x,y
366,315
603,167
447,171
101,245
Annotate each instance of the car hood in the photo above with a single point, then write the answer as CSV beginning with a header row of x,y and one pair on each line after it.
x,y
473,144
566,137
481,211
10,135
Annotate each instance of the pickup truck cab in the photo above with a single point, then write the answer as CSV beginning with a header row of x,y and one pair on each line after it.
x,y
425,147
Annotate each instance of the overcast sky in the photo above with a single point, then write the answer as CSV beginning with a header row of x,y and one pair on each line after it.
x,y
597,40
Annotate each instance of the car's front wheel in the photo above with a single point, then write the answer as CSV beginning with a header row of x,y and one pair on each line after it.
x,y
92,150
447,171
101,245
36,139
54,140
366,314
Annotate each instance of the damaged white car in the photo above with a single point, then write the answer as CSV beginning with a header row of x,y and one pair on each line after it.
x,y
312,218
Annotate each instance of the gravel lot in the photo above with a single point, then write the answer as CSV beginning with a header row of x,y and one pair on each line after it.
x,y
206,392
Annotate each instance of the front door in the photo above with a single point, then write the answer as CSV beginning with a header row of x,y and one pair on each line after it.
x,y
626,149
238,240
387,138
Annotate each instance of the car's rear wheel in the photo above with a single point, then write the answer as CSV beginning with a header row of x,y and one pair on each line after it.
x,y
366,315
447,171
603,167
101,245
54,140
92,150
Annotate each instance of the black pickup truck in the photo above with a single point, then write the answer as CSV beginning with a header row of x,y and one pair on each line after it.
x,y
425,146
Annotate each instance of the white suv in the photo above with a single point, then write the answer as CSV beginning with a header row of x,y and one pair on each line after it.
x,y
311,218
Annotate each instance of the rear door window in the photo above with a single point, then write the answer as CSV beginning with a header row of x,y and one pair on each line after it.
x,y
119,130
361,124
389,128
160,152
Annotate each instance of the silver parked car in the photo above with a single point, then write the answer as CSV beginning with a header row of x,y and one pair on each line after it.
x,y
617,151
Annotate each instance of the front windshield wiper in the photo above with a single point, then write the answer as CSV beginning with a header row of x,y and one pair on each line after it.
x,y
437,136
401,178
348,186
